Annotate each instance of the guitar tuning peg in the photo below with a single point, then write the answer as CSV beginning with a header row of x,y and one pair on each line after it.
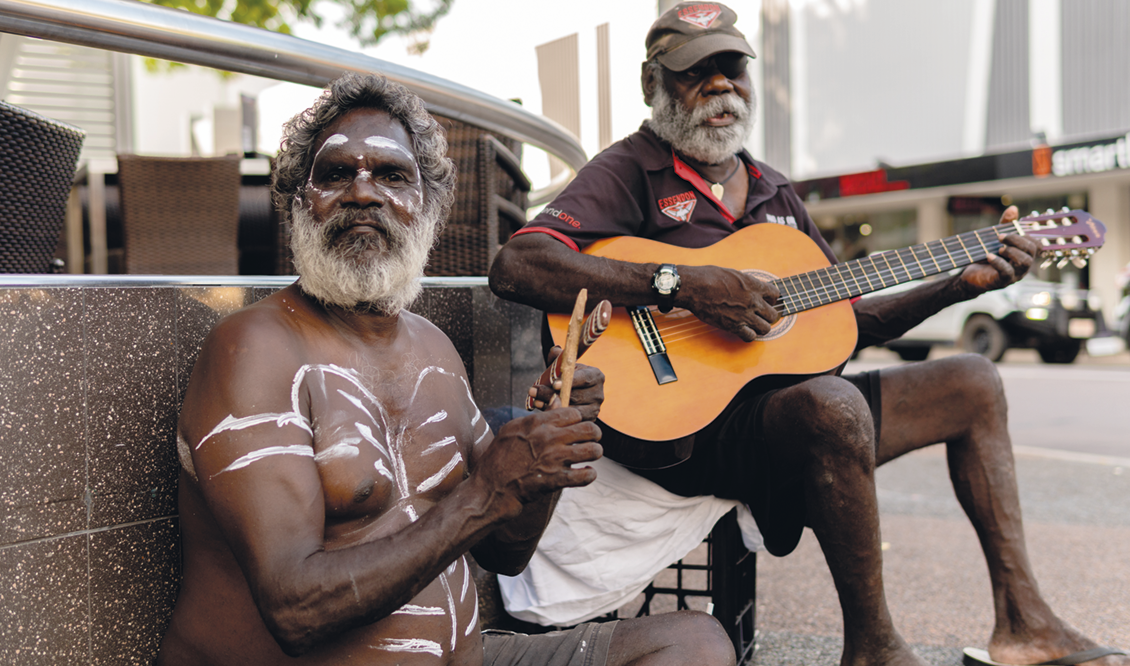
x,y
1045,242
1065,209
1034,214
1047,262
1079,262
1076,239
1062,263
1061,241
1049,212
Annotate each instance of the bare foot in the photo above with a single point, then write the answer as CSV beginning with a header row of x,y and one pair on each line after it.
x,y
1047,645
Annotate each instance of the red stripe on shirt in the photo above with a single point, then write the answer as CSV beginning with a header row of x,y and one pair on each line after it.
x,y
545,230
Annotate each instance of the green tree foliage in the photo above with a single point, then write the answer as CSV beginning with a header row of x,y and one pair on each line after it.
x,y
367,20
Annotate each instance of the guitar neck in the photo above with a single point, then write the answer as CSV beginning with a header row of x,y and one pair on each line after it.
x,y
885,269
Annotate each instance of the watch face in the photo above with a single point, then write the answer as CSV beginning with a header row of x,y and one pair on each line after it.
x,y
665,282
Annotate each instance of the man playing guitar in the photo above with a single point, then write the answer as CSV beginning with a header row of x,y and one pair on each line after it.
x,y
798,451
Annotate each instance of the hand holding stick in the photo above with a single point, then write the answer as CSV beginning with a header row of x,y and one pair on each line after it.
x,y
594,325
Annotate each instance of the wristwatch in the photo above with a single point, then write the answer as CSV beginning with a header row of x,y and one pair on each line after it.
x,y
665,283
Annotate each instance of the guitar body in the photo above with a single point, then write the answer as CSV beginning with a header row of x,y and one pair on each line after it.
x,y
711,365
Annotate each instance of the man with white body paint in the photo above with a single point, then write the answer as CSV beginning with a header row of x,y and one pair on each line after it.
x,y
335,468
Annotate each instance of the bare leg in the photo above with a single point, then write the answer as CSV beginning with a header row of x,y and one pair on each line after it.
x,y
825,425
671,639
960,401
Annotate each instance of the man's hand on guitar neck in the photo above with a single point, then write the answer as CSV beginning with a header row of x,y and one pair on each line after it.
x,y
728,299
1007,266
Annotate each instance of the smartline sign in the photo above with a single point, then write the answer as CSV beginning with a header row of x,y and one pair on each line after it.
x,y
1095,156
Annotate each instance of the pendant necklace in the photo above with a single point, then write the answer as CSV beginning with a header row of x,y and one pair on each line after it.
x,y
717,188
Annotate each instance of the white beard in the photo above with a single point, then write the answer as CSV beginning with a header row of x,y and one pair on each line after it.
x,y
685,132
334,270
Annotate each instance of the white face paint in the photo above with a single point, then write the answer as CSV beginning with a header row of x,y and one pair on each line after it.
x,y
384,142
413,201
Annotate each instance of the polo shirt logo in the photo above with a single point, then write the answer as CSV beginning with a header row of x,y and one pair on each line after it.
x,y
679,207
701,15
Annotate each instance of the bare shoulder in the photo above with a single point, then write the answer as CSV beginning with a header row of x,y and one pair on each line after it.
x,y
246,361
430,339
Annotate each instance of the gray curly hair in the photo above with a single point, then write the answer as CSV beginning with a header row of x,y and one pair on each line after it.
x,y
365,91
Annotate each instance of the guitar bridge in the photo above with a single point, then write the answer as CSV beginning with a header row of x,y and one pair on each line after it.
x,y
653,345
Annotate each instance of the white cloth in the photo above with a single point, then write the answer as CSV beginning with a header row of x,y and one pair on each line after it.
x,y
607,541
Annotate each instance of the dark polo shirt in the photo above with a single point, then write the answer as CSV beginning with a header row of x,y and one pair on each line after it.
x,y
638,187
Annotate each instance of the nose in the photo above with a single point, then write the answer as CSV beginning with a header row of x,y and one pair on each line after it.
x,y
717,83
363,191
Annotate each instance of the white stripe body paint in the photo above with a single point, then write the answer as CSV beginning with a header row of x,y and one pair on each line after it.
x,y
466,579
304,450
280,420
435,479
474,621
417,645
344,449
435,418
389,442
451,606
439,445
413,609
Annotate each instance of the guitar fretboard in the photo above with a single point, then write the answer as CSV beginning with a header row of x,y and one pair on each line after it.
x,y
885,269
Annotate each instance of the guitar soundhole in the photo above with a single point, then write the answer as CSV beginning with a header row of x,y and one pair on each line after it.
x,y
784,324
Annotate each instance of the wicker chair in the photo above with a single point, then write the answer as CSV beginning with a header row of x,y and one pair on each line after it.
x,y
180,215
490,200
37,166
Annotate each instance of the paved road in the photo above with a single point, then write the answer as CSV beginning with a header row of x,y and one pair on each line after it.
x,y
1081,408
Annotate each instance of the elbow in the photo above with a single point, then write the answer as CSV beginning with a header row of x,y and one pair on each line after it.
x,y
292,624
501,278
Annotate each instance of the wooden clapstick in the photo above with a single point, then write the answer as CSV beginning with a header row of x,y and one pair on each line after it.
x,y
570,351
594,325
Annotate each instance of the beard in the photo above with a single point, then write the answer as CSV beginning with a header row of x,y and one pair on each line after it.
x,y
337,268
687,134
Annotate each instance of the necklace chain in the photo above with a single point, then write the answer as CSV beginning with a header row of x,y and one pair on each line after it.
x,y
717,188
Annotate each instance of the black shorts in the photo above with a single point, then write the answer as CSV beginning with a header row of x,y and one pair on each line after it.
x,y
729,460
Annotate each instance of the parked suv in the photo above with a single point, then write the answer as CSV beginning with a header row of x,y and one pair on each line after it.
x,y
1054,319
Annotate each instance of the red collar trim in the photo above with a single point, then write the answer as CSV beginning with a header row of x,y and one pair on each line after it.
x,y
688,174
691,176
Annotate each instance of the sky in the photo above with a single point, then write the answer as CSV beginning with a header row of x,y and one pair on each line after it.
x,y
490,45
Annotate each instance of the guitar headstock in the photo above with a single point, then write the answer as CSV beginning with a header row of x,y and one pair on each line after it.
x,y
1064,236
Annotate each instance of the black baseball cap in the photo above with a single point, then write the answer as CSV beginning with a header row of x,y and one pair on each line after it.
x,y
691,31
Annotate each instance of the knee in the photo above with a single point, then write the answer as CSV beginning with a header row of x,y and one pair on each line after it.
x,y
982,383
835,419
705,639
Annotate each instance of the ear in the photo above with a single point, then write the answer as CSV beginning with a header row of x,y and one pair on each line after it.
x,y
648,82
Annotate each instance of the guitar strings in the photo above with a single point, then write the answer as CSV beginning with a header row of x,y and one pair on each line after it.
x,y
822,293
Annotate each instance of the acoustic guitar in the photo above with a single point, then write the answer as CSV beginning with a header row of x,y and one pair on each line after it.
x,y
669,375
